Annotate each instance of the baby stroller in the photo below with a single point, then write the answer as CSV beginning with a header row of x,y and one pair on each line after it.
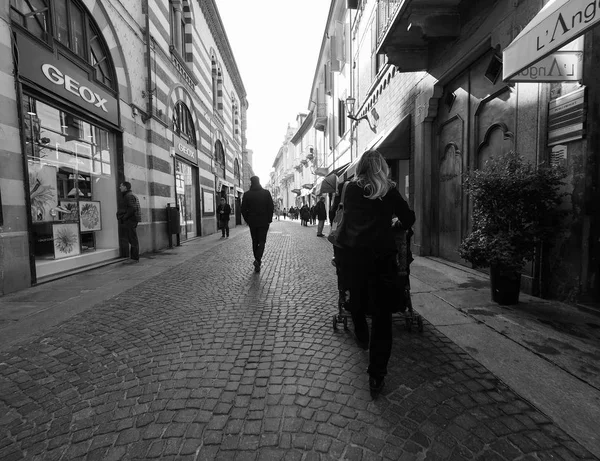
x,y
404,259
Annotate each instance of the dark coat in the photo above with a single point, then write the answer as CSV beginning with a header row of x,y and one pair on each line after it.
x,y
128,211
320,211
224,216
257,206
373,218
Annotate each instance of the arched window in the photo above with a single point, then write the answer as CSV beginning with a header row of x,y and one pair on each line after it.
x,y
217,86
183,124
220,157
70,27
235,115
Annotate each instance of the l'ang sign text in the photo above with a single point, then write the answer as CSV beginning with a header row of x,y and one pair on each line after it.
x,y
569,23
554,26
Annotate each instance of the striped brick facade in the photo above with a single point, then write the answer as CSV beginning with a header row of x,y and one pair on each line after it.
x,y
153,76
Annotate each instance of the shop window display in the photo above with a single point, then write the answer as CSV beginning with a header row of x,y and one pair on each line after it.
x,y
72,190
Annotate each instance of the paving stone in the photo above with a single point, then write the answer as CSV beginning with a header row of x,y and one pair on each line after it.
x,y
211,361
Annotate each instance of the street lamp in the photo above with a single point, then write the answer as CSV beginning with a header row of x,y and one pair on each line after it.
x,y
350,102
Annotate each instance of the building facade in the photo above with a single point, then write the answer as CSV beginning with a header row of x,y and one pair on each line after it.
x,y
440,87
96,93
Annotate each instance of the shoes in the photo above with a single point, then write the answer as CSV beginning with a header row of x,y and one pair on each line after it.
x,y
320,235
376,383
256,266
227,237
131,261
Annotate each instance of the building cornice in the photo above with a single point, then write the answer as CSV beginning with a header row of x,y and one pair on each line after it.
x,y
217,29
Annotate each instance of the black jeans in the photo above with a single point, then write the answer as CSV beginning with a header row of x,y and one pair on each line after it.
x,y
367,276
224,227
259,238
129,237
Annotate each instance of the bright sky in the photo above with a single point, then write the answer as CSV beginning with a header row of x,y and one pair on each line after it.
x,y
276,45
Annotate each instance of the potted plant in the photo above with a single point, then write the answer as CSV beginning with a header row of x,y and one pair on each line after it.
x,y
515,208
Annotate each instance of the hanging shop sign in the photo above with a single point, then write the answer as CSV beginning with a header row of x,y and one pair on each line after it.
x,y
184,150
557,24
564,65
63,78
566,118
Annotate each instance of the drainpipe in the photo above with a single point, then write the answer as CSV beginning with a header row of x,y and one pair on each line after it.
x,y
149,89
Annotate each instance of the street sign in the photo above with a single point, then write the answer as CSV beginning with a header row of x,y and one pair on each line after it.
x,y
557,24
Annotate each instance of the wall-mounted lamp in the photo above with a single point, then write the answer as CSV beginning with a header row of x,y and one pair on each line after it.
x,y
350,101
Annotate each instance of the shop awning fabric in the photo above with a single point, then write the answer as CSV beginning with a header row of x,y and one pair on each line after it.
x,y
296,191
557,24
329,183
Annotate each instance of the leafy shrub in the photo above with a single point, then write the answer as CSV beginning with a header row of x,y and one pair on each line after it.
x,y
515,206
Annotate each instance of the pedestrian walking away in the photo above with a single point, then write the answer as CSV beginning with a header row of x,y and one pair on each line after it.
x,y
367,257
224,212
257,210
129,214
321,215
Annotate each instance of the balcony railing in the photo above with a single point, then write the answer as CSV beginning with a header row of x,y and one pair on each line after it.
x,y
386,10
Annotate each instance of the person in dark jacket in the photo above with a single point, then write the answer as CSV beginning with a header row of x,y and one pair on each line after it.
x,y
321,215
129,215
224,212
257,210
367,257
304,215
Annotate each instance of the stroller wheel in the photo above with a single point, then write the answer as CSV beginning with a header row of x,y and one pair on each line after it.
x,y
335,322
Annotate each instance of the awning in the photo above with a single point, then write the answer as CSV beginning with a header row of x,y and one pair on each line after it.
x,y
317,186
395,142
557,23
296,191
329,183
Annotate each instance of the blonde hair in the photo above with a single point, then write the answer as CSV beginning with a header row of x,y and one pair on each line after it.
x,y
372,175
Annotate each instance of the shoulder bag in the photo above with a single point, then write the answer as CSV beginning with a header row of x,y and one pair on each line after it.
x,y
337,226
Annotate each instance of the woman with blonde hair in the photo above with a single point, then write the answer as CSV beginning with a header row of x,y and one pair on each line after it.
x,y
366,258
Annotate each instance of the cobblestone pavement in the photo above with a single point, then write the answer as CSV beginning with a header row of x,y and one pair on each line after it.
x,y
210,361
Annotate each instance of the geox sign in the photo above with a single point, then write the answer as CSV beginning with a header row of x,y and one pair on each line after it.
x,y
66,80
557,24
54,74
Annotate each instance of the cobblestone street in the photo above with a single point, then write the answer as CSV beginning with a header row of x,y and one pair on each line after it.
x,y
211,361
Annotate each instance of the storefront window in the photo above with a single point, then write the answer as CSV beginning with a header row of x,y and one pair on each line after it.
x,y
186,199
72,190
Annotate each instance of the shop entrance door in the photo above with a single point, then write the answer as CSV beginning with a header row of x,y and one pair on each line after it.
x,y
186,199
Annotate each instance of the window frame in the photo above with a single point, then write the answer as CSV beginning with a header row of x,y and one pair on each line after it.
x,y
184,126
90,32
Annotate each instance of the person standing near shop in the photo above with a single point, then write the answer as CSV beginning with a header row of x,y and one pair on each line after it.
x,y
257,210
321,215
129,214
224,212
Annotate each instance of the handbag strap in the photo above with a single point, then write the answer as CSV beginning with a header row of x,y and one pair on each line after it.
x,y
343,193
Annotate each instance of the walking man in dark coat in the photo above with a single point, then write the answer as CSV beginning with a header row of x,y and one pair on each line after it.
x,y
321,214
257,210
224,212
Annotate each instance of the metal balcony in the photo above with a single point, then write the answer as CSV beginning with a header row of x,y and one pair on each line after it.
x,y
404,34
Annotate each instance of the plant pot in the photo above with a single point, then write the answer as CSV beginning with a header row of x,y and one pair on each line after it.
x,y
506,285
